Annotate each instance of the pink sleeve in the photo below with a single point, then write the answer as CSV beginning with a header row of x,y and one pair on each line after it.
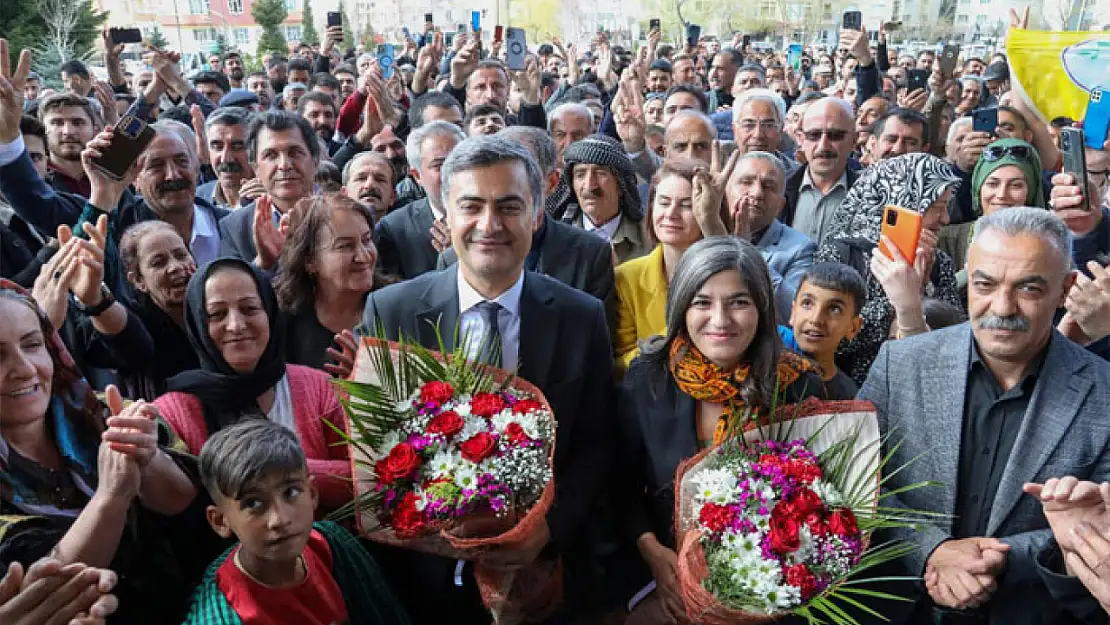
x,y
184,415
328,456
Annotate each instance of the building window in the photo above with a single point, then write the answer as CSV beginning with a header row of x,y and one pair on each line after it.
x,y
293,33
198,7
202,34
242,36
290,5
235,7
961,19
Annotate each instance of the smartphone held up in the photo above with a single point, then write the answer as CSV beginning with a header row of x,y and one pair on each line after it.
x,y
130,136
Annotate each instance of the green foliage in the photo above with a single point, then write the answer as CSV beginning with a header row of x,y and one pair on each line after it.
x,y
23,25
269,14
157,38
220,44
308,25
348,36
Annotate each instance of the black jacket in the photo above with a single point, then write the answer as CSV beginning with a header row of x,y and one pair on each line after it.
x,y
793,190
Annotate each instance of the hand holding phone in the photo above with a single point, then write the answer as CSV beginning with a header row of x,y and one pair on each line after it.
x,y
985,120
130,136
902,227
917,79
335,18
654,24
1075,159
693,35
125,35
853,20
516,51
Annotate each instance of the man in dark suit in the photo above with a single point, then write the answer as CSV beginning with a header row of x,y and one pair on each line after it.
x,y
406,247
554,336
570,255
983,408
285,154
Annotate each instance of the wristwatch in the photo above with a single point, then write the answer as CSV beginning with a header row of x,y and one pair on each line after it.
x,y
106,301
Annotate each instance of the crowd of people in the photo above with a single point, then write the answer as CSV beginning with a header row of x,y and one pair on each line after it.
x,y
659,239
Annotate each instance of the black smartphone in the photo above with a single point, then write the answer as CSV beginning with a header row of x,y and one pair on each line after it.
x,y
448,39
949,56
916,79
125,35
985,120
853,20
654,24
335,18
130,136
693,34
428,18
745,42
1075,160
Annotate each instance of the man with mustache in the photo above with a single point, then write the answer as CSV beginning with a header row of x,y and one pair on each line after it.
x,y
226,133
827,134
233,68
368,179
551,334
320,111
259,84
757,124
598,193
474,81
982,408
484,119
285,152
406,236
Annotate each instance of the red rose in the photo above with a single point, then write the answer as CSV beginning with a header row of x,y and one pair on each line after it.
x,y
805,502
401,461
784,534
715,517
407,521
804,472
516,434
843,522
478,447
799,576
446,423
486,404
526,405
816,524
438,393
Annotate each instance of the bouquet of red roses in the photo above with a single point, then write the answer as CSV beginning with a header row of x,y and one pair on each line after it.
x,y
453,457
774,521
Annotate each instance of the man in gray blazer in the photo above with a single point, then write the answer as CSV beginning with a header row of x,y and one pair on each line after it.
x,y
404,236
983,408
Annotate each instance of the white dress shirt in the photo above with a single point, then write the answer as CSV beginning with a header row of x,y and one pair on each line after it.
x,y
473,325
204,241
606,230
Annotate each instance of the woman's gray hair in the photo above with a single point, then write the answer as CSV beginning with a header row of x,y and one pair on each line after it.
x,y
477,152
1031,221
700,262
417,138
760,95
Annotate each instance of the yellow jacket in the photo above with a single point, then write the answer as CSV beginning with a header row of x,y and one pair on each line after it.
x,y
641,305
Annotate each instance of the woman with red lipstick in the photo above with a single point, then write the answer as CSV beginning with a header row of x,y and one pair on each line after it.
x,y
238,333
327,267
720,358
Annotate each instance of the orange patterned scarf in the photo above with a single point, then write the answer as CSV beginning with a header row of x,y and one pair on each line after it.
x,y
704,381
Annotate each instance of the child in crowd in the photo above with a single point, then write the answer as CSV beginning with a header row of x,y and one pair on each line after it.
x,y
825,313
286,569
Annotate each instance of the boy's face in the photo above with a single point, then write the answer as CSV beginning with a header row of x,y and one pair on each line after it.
x,y
272,519
822,318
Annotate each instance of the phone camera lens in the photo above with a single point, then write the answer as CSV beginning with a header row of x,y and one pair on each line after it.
x,y
891,218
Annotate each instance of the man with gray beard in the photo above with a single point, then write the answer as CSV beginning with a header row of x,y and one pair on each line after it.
x,y
981,409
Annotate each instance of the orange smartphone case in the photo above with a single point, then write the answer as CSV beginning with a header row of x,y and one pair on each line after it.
x,y
903,227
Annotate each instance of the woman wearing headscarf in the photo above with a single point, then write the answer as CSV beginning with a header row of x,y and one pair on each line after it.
x,y
237,331
83,483
1007,174
918,182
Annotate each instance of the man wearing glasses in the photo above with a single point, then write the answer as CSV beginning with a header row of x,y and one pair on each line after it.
x,y
813,193
757,123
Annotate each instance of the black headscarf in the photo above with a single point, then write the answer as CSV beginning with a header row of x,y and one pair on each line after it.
x,y
221,390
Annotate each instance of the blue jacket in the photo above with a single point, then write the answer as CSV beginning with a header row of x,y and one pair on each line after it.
x,y
789,254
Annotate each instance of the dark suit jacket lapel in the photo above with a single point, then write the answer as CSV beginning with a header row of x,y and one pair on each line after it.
x,y
944,414
1056,399
793,190
422,217
540,329
553,251
440,308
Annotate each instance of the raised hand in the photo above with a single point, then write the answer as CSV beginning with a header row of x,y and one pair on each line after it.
x,y
465,62
119,474
132,430
629,114
902,282
267,240
51,288
915,100
709,191
197,118
1088,303
251,189
90,274
107,99
572,64
11,91
529,81
1068,503
106,191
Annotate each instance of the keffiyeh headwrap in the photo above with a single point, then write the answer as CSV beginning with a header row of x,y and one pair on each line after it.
x,y
595,150
913,181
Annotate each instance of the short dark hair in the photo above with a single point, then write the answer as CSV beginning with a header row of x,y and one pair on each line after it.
x,y
180,113
703,101
837,277
317,97
238,456
276,120
233,54
481,110
492,64
581,93
1013,111
74,66
906,116
258,75
31,127
344,68
438,99
323,79
664,51
662,65
940,314
1062,122
300,64
214,78
275,61
64,100
736,57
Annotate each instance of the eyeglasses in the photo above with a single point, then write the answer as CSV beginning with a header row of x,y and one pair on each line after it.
x,y
834,134
994,153
766,125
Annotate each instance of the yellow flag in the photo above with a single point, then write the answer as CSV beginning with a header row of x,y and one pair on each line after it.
x,y
1057,70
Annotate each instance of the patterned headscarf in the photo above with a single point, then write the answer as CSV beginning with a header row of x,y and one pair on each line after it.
x,y
912,181
595,150
1030,166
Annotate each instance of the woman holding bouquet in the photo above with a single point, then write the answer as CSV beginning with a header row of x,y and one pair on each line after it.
x,y
720,362
233,323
